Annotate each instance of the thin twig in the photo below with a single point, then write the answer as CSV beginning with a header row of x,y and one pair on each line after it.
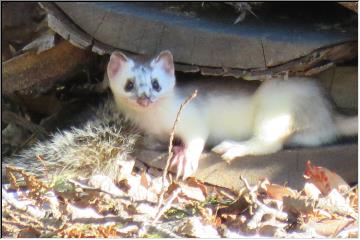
x,y
167,205
170,153
99,190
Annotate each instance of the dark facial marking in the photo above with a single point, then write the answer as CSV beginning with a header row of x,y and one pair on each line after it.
x,y
155,84
129,85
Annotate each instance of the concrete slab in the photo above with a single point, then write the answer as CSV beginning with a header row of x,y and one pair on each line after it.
x,y
286,166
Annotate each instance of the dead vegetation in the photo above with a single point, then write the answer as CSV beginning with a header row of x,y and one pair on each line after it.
x,y
99,206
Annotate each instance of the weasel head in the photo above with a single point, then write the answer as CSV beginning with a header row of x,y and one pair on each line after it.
x,y
141,85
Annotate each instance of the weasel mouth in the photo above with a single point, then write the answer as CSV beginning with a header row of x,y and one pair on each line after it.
x,y
144,101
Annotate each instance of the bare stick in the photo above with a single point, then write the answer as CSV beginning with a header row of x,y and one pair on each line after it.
x,y
170,154
167,205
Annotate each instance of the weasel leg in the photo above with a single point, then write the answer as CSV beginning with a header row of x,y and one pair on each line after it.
x,y
254,146
187,160
224,146
269,137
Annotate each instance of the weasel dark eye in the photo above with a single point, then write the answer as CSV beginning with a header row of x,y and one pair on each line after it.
x,y
155,84
129,86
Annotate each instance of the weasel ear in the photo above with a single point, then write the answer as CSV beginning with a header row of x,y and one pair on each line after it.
x,y
165,58
116,63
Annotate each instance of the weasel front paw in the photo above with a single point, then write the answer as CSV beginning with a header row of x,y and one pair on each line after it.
x,y
223,147
184,164
230,150
235,152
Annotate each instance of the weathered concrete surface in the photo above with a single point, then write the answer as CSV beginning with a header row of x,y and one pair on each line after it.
x,y
286,166
341,83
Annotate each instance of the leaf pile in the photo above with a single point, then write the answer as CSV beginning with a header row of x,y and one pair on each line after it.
x,y
99,206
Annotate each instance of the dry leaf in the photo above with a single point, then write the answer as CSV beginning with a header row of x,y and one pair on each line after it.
x,y
128,230
193,182
311,191
12,180
324,179
236,208
107,231
319,215
330,227
192,192
336,203
172,187
138,192
354,199
194,227
79,213
106,184
126,169
88,231
144,181
298,205
35,186
29,233
268,230
124,185
277,192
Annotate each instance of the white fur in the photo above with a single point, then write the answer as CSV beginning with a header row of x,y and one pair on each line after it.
x,y
280,112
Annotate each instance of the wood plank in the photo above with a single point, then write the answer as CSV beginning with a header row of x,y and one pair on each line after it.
x,y
31,71
62,25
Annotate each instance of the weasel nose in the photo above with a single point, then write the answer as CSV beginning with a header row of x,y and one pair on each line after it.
x,y
144,100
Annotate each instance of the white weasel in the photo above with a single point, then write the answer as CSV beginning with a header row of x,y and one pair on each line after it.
x,y
248,122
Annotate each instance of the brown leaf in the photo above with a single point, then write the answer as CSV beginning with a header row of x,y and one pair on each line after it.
x,y
128,231
107,231
193,182
330,227
124,185
144,181
195,227
277,192
12,179
29,233
88,231
298,205
324,179
311,190
237,207
268,230
35,186
172,187
192,192
354,199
